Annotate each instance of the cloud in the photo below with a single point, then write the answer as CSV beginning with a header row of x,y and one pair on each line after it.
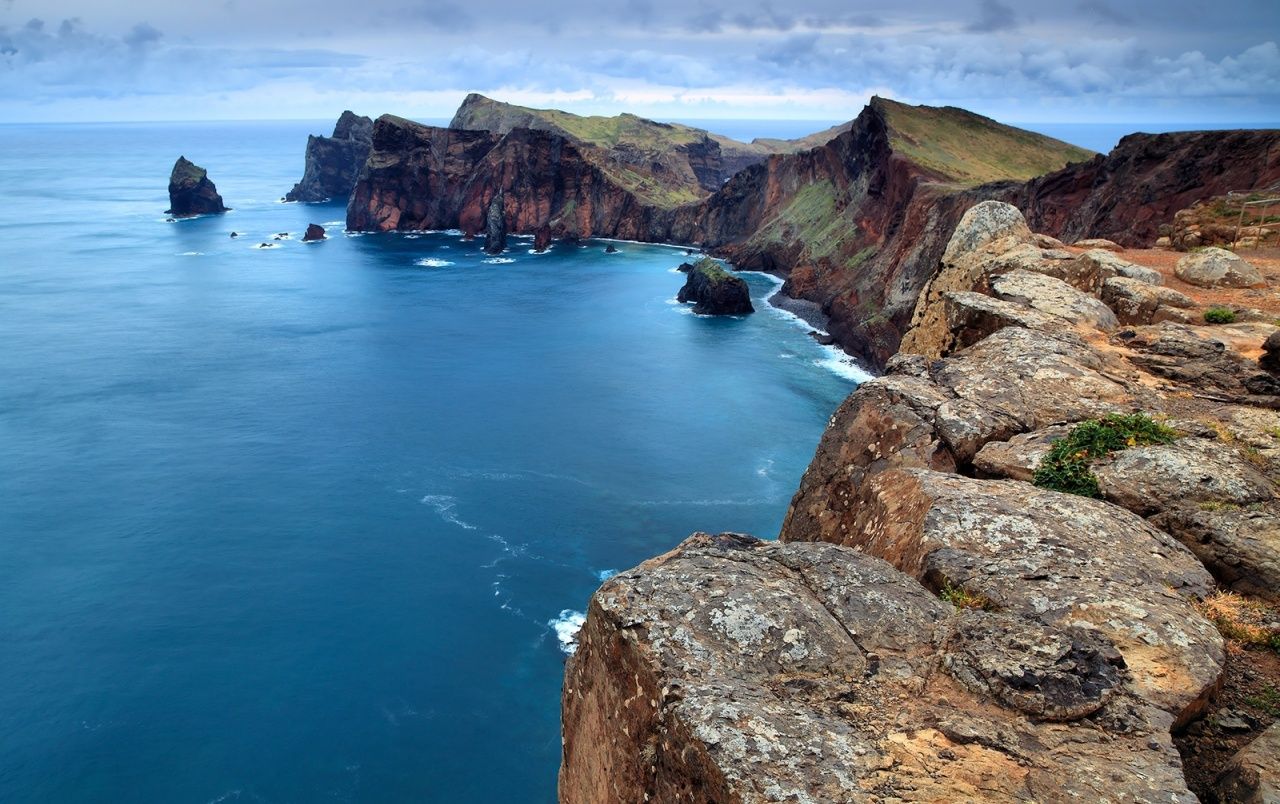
x,y
142,35
994,16
1103,12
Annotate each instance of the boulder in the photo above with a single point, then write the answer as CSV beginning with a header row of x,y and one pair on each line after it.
x,y
1058,559
1240,546
1197,357
1253,774
1055,297
733,669
1218,268
1188,472
1098,242
1136,302
1018,458
971,317
495,227
1270,359
983,224
714,291
314,233
1045,241
191,192
1099,265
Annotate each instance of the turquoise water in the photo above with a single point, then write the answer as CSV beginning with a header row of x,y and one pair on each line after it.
x,y
296,524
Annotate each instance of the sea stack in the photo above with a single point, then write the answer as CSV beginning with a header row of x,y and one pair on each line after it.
x,y
314,232
191,192
714,290
495,226
542,239
333,163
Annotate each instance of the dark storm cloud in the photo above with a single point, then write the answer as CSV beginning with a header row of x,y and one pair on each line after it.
x,y
1061,56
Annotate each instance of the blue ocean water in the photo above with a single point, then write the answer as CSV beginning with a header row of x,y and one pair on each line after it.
x,y
297,524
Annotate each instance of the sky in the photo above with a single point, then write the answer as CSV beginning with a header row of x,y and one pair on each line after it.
x,y
1080,61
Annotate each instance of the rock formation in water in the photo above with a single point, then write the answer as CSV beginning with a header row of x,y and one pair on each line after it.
x,y
333,163
314,232
495,226
542,239
191,192
939,622
714,291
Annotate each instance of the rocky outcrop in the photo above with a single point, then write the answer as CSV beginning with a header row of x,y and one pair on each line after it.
x,y
314,233
1129,194
1253,775
1218,222
495,226
815,668
542,239
190,191
334,163
732,669
1137,302
1218,268
714,291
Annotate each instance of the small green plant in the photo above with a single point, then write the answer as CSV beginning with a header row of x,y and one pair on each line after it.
x,y
1220,315
1267,700
964,599
1065,467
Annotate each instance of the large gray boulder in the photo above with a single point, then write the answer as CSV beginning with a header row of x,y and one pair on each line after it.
x,y
732,669
1056,558
1055,297
1218,268
1138,302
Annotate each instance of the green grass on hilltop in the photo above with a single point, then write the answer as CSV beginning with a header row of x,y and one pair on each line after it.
x,y
970,149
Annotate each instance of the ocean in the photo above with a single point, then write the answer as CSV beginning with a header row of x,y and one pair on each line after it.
x,y
312,522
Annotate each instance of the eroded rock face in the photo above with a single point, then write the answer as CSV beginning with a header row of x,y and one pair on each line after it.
x,y
191,192
334,163
1188,472
1239,545
1218,268
495,226
732,669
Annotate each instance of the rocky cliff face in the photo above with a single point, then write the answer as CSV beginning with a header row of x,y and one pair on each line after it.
x,y
857,225
495,226
933,625
191,192
1129,194
333,163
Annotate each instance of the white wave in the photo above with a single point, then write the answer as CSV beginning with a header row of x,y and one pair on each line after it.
x,y
327,224
498,261
840,363
191,254
431,262
567,626
765,467
412,237
605,575
444,505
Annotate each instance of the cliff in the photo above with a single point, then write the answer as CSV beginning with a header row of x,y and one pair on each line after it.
x,y
191,192
1129,194
953,613
693,158
333,163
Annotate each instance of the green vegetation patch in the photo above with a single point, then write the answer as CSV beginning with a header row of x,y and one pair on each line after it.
x,y
1066,466
1219,315
964,599
1266,700
711,269
970,149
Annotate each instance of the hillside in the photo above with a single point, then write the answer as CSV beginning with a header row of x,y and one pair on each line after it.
x,y
667,163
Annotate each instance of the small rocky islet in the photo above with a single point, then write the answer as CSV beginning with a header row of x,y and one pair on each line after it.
x,y
949,614
191,192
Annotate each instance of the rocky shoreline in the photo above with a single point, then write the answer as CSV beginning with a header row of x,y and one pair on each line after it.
x,y
938,621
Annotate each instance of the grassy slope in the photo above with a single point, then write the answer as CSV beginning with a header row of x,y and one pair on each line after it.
x,y
628,131
970,149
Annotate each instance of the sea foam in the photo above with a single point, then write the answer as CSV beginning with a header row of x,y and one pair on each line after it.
x,y
432,262
567,626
